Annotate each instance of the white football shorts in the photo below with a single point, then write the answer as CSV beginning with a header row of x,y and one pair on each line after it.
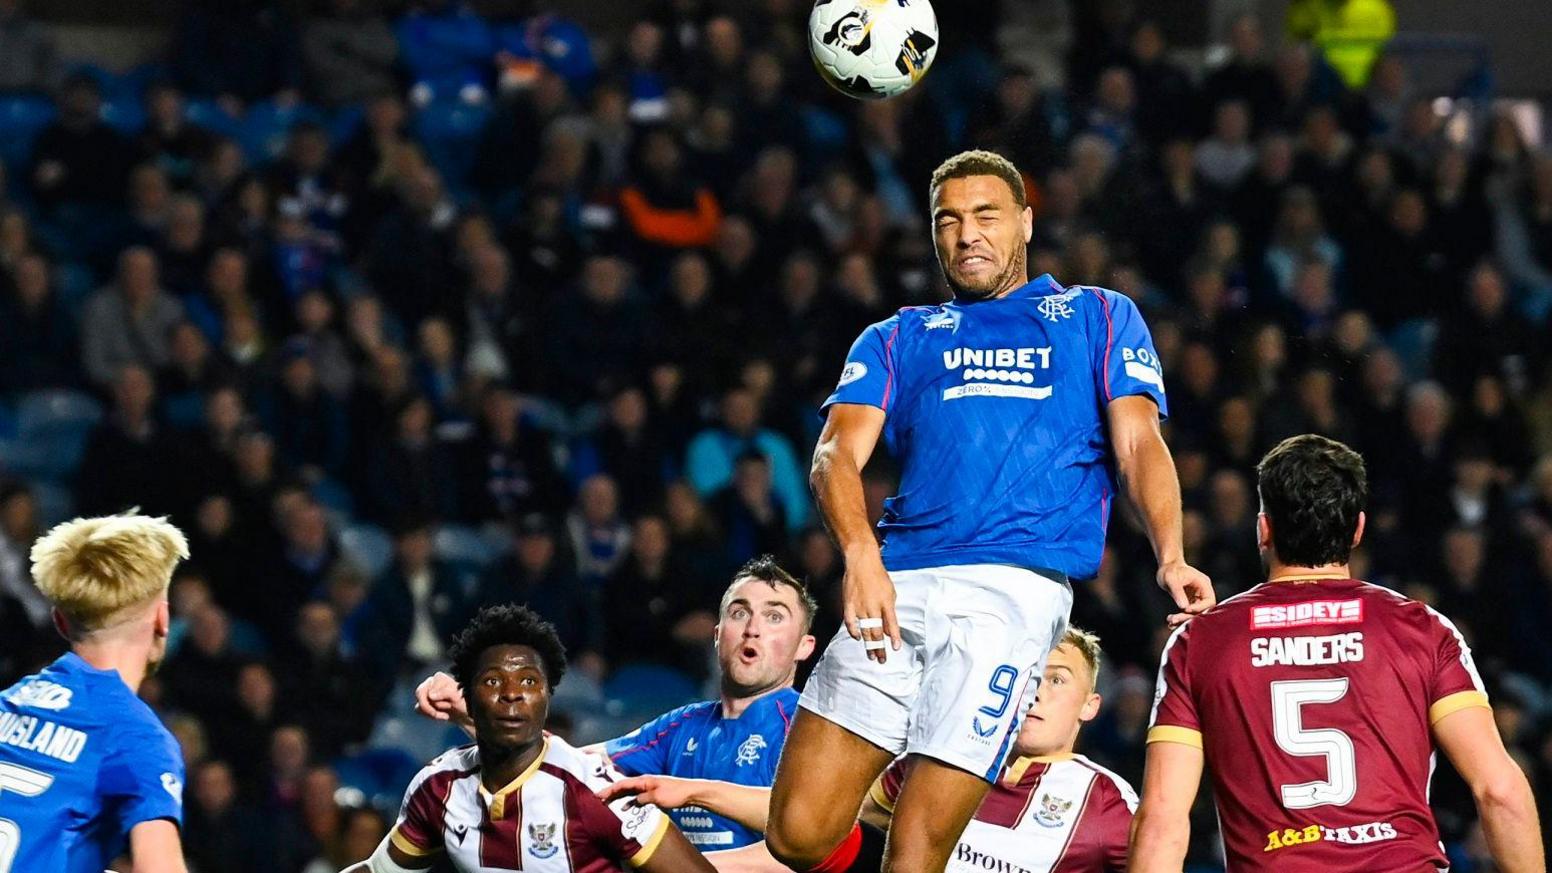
x,y
974,644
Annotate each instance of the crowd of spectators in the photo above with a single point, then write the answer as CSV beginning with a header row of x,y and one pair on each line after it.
x,y
587,318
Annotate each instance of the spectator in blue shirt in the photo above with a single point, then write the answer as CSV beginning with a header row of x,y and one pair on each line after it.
x,y
714,451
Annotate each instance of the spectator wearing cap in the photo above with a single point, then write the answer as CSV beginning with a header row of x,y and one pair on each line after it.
x,y
417,606
537,575
128,322
349,51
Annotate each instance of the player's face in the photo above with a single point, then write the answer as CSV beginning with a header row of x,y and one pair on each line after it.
x,y
510,700
1066,700
760,638
981,236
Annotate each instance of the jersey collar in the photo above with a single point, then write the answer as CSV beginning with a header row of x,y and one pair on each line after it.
x,y
1040,286
497,802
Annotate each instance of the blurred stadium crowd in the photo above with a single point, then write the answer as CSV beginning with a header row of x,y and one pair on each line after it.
x,y
402,312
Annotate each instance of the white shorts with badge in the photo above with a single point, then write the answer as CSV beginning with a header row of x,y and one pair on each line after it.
x,y
974,644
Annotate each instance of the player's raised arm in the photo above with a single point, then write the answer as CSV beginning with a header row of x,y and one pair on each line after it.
x,y
1148,477
850,433
1504,800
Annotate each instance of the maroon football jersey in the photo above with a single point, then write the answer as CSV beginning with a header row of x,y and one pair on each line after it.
x,y
1313,702
547,820
1062,814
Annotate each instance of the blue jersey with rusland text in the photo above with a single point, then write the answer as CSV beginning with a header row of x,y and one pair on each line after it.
x,y
996,410
82,762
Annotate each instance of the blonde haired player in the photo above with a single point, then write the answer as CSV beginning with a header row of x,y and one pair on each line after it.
x,y
86,768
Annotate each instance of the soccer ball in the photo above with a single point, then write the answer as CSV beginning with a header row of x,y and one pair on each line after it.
x,y
872,48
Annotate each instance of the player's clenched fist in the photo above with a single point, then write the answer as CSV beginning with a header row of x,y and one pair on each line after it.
x,y
439,697
869,605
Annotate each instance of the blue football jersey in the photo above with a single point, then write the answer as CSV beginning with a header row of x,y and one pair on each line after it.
x,y
696,742
996,410
82,761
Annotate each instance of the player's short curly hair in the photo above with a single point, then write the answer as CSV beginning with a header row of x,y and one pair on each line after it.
x,y
507,625
1312,489
979,162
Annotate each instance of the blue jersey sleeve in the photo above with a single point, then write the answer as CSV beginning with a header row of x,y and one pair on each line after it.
x,y
1125,362
868,377
142,778
644,751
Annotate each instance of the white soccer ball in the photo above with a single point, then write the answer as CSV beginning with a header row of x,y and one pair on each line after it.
x,y
872,49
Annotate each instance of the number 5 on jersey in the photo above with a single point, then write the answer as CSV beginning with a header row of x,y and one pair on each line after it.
x,y
1289,698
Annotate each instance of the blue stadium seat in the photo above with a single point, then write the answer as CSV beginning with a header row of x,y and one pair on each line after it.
x,y
450,133
21,118
52,427
209,115
455,542
73,283
335,497
647,689
578,694
266,125
124,115
368,547
343,123
379,773
420,738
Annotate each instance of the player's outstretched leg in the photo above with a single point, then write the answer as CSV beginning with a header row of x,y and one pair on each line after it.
x,y
824,773
936,802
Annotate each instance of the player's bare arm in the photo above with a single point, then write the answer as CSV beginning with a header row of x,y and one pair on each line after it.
x,y
674,854
1147,472
1162,829
850,434
1470,739
156,847
749,805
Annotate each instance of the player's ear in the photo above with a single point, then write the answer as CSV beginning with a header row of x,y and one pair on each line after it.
x,y
806,647
1358,532
163,619
61,624
1264,531
1029,224
1090,708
